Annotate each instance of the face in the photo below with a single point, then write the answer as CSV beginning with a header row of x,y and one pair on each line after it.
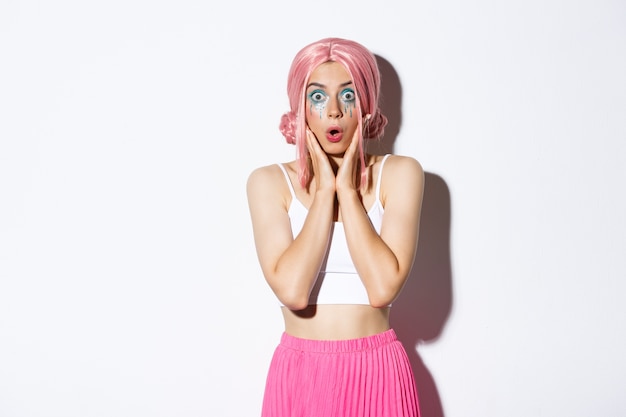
x,y
330,107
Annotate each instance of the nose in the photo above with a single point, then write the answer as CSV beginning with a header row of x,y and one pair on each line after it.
x,y
334,109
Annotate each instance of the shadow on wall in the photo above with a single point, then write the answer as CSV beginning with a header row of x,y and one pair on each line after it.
x,y
422,309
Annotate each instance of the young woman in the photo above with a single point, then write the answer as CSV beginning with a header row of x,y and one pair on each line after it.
x,y
336,232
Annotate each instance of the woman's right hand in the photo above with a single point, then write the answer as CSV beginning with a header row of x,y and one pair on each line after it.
x,y
323,171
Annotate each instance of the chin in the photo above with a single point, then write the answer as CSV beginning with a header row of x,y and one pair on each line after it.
x,y
335,151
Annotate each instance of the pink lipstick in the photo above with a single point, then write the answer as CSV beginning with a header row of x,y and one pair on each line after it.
x,y
334,134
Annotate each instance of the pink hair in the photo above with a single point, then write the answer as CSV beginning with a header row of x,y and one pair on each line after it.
x,y
361,65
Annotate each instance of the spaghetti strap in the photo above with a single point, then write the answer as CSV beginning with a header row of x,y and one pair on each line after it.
x,y
380,176
291,190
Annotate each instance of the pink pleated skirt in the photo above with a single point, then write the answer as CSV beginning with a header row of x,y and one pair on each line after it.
x,y
365,377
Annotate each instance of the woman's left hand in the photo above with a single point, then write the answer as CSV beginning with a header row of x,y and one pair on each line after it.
x,y
346,174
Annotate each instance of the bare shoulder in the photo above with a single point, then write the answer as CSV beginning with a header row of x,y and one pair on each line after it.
x,y
262,175
268,174
402,181
405,168
265,182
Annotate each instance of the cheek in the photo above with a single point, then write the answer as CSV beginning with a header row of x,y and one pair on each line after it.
x,y
349,108
315,109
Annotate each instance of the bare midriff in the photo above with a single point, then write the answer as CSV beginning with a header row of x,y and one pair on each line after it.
x,y
336,322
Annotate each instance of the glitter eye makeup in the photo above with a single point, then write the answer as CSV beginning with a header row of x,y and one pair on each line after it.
x,y
318,99
348,97
317,96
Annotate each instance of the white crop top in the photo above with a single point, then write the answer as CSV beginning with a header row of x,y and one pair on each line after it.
x,y
338,281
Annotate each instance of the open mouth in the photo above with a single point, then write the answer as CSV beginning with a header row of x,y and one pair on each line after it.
x,y
334,134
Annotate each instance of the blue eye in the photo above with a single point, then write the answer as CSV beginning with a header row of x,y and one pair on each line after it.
x,y
317,96
348,95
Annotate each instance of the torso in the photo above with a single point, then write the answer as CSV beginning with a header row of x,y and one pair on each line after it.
x,y
336,321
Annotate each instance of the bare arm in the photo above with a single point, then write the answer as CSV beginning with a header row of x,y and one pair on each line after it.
x,y
384,262
289,265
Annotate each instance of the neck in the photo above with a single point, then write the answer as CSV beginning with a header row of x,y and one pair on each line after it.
x,y
335,162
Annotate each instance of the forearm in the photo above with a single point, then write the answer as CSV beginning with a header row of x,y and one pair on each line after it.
x,y
378,267
298,267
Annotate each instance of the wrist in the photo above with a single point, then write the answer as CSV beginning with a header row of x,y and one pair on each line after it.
x,y
347,193
324,193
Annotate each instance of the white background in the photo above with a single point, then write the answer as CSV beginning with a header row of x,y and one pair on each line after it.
x,y
129,284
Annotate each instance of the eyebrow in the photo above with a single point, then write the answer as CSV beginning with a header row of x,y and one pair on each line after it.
x,y
314,84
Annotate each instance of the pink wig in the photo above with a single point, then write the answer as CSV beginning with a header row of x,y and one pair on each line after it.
x,y
361,65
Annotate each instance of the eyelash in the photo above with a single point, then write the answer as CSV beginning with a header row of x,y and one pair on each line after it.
x,y
312,95
324,97
348,91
